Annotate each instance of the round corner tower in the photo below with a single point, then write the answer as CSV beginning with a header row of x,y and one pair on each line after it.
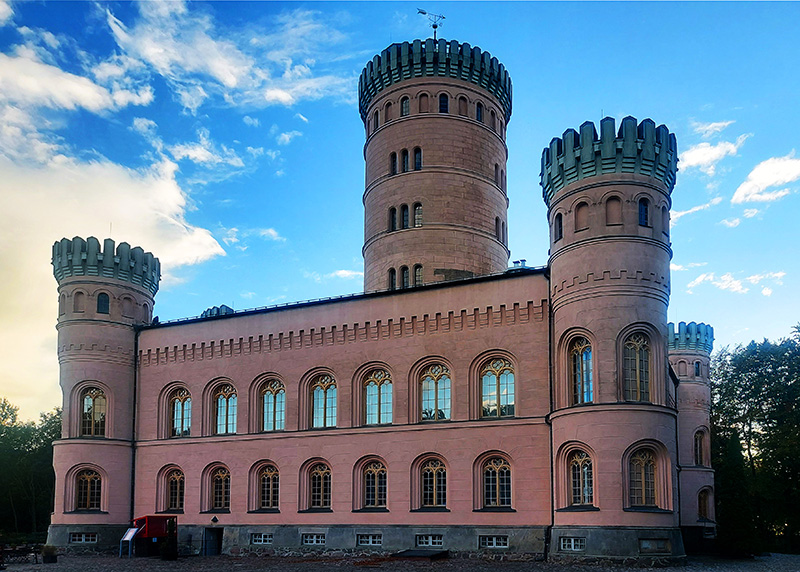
x,y
104,296
614,413
435,115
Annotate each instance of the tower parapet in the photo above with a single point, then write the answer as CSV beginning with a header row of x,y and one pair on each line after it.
x,y
643,149
690,337
432,58
79,257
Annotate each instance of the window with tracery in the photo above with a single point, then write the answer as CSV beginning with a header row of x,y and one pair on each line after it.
x,y
88,486
181,412
435,387
378,397
221,489
496,483
643,478
434,484
103,303
273,406
703,503
225,409
94,407
580,356
268,480
636,367
323,402
581,478
320,486
699,448
497,388
175,488
374,485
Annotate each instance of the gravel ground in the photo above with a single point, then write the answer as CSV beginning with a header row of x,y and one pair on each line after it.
x,y
773,563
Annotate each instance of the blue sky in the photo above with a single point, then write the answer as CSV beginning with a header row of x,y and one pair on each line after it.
x,y
225,138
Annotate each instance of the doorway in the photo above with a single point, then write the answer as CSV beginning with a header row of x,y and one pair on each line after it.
x,y
212,541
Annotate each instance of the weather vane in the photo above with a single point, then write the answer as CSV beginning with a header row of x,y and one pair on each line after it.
x,y
434,19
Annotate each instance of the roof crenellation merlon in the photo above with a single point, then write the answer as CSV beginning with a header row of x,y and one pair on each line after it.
x,y
691,336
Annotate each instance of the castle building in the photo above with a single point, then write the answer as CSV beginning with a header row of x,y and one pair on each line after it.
x,y
455,404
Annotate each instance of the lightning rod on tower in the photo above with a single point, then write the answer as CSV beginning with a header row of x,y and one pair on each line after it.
x,y
434,19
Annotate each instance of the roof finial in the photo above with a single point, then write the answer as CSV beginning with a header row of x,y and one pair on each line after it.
x,y
434,19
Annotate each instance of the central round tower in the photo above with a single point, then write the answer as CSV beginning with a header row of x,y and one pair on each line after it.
x,y
435,114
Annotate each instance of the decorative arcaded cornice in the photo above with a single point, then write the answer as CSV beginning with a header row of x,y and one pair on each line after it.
x,y
691,337
643,149
78,257
404,61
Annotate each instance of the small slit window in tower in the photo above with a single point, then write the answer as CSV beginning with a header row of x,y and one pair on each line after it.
x,y
404,216
392,219
387,113
392,279
665,220
418,275
462,106
505,236
444,103
417,215
493,120
393,164
423,103
558,228
644,212
582,217
406,279
375,122
697,369
497,227
479,112
503,179
404,160
497,174
102,303
404,107
613,211
417,158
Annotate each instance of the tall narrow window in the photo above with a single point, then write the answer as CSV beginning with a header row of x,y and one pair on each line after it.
x,y
580,355
435,387
175,485
405,278
404,107
320,486
181,412
423,103
699,449
404,160
493,120
404,222
417,214
665,220
94,407
387,114
636,357
323,396
378,397
375,122
417,158
582,216
79,302
88,486
497,383
644,212
503,179
697,369
375,485
444,103
702,505
643,478
434,484
418,275
581,478
268,480
613,211
558,228
392,279
496,483
103,303
497,174
393,164
220,489
225,405
479,111
462,106
498,234
273,404
392,219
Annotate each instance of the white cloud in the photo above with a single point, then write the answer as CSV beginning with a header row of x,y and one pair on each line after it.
x,y
346,274
730,223
286,138
728,282
250,121
255,151
6,12
301,117
750,213
231,236
271,234
280,173
705,156
675,215
678,267
706,130
272,154
766,291
248,295
774,172
777,277
206,152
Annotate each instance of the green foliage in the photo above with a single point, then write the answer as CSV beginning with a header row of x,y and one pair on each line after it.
x,y
756,445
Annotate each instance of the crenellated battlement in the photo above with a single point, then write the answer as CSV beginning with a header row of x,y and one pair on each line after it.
x,y
643,149
691,336
434,59
79,257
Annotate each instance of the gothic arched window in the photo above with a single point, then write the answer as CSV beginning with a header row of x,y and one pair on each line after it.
x,y
636,367
88,486
103,303
221,489
435,388
268,481
404,216
496,483
320,486
175,488
180,406
374,485
433,476
558,228
392,219
323,398
581,478
497,388
393,164
225,409
273,406
378,397
580,357
94,407
699,448
643,478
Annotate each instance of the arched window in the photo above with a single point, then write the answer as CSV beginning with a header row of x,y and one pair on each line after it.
x,y
392,279
462,106
127,307
268,481
497,232
580,356
636,366
94,409
582,216
504,240
393,164
497,388
323,398
405,278
417,158
418,275
644,212
697,369
404,160
503,179
392,219
433,475
497,174
103,303
479,111
699,448
273,404
444,103
665,220
496,483
225,409
375,121
558,228
88,486
417,214
703,512
180,406
423,103
320,486
643,478
378,397
435,387
175,487
79,302
374,485
62,302
404,107
581,478
221,489
493,120
387,114
613,211
404,222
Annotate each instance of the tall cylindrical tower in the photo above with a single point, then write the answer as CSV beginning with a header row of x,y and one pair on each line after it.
x,y
103,296
690,347
435,114
614,415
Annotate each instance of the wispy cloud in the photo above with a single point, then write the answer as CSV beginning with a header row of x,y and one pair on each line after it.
x,y
776,277
705,156
286,138
301,117
270,234
678,267
730,222
676,215
750,213
6,12
205,152
343,274
728,282
774,172
250,121
706,130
